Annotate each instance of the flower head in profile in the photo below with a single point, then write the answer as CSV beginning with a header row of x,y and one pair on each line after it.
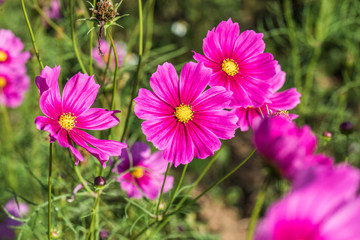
x,y
328,208
288,148
18,210
66,115
102,60
181,117
11,52
142,173
238,63
13,86
279,103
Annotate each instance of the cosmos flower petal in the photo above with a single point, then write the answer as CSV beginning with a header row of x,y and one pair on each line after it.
x,y
151,185
205,142
207,62
249,43
261,66
130,186
49,125
165,84
212,99
212,48
228,34
242,122
65,141
278,80
180,149
193,80
79,94
97,119
156,162
148,105
285,100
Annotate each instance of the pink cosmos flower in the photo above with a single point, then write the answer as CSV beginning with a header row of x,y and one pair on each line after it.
x,y
142,173
328,208
17,210
53,10
279,103
11,55
289,148
181,118
101,61
67,115
13,86
238,63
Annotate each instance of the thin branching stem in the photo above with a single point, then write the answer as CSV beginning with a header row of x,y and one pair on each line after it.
x,y
83,182
115,71
49,190
31,34
94,210
91,44
162,190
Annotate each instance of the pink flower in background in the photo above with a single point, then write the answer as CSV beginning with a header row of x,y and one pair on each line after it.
x,y
279,103
101,61
289,148
17,210
53,10
11,54
66,115
142,173
238,63
13,86
327,208
182,118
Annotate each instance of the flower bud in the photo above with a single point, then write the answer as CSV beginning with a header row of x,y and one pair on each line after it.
x,y
346,128
99,181
327,135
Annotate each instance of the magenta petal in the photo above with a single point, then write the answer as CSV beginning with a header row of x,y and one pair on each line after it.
x,y
180,146
248,44
215,98
156,162
220,78
148,105
193,80
49,125
79,94
97,119
205,142
207,62
278,80
65,141
260,67
285,100
212,48
140,151
242,122
129,185
228,33
165,84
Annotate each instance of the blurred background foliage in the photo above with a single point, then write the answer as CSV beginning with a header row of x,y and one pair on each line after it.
x,y
315,41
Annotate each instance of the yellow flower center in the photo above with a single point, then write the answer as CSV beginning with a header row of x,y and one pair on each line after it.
x,y
137,172
283,114
184,113
3,56
2,82
67,120
230,67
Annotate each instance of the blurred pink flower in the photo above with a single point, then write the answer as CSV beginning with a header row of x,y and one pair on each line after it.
x,y
53,10
67,115
279,103
327,208
289,148
101,61
238,63
11,55
13,86
142,173
182,118
17,210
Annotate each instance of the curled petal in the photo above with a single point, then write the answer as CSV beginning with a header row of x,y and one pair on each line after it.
x,y
97,119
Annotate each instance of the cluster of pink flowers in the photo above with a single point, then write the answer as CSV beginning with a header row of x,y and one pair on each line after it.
x,y
13,79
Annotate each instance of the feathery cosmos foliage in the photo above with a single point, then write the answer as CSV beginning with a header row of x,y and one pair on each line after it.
x,y
142,173
66,115
238,63
181,118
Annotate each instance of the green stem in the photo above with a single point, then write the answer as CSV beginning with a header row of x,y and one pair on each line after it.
x,y
177,189
93,214
31,34
9,132
83,182
49,190
136,83
91,44
116,70
73,37
161,192
256,212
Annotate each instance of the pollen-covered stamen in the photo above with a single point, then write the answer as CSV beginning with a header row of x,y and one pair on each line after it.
x,y
283,114
230,67
184,113
137,172
67,120
3,56
2,82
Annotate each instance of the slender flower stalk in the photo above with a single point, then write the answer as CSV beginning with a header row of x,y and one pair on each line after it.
x,y
161,192
115,72
49,190
93,214
73,38
91,43
78,174
256,212
31,34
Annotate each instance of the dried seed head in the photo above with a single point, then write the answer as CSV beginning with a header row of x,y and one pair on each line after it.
x,y
105,11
